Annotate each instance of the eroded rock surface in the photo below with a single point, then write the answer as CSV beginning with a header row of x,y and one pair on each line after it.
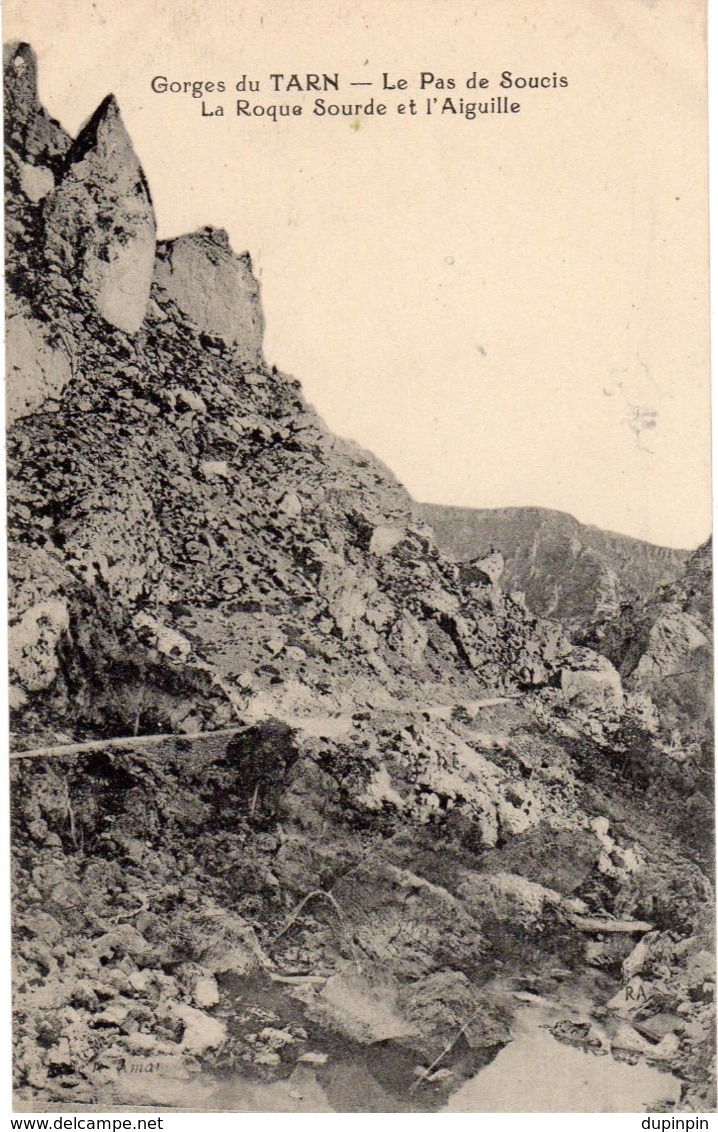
x,y
37,369
99,222
214,289
35,137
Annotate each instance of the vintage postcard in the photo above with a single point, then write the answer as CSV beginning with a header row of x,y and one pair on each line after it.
x,y
359,573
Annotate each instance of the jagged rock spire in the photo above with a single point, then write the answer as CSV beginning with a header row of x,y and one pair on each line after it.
x,y
29,130
97,226
99,222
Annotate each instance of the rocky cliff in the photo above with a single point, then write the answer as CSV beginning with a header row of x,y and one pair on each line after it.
x,y
566,569
662,645
287,780
235,554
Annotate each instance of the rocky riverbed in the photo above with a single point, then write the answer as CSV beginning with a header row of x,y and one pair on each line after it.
x,y
172,923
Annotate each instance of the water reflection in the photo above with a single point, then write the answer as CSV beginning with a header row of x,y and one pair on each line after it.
x,y
533,1073
536,1073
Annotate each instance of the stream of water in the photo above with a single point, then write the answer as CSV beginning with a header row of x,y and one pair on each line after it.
x,y
537,1073
533,1073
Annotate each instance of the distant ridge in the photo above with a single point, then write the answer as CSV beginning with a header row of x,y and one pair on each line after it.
x,y
565,568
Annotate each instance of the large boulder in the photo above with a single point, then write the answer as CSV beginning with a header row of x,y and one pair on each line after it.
x,y
560,860
487,569
505,896
214,289
100,224
594,689
672,639
410,637
39,586
26,182
33,642
384,538
403,922
37,369
362,1008
446,1004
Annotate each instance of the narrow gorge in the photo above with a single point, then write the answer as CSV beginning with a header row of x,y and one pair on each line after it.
x,y
311,812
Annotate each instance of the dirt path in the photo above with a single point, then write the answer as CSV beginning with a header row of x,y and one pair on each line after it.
x,y
330,726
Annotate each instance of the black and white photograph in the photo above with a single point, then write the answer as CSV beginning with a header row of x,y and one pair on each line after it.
x,y
360,657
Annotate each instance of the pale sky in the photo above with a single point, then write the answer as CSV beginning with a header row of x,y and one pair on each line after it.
x,y
492,306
